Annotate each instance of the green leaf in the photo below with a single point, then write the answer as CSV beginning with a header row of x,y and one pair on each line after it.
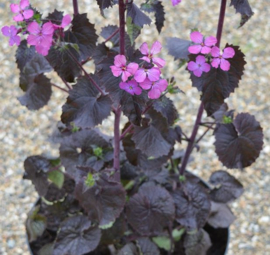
x,y
106,226
90,180
132,30
227,120
57,177
177,234
163,242
98,152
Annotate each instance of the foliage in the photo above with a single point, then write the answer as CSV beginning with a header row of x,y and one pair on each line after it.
x,y
131,193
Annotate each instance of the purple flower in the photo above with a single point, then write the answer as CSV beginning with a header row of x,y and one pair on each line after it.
x,y
199,67
131,87
156,47
203,45
121,67
22,10
11,32
156,87
41,37
65,22
175,2
141,74
221,59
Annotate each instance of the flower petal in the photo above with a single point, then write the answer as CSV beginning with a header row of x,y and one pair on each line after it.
x,y
66,21
140,75
198,72
215,51
34,28
6,31
146,84
210,41
120,60
175,2
144,49
42,50
156,48
161,85
205,50
228,52
148,60
117,71
28,14
33,39
123,85
132,68
137,90
215,62
125,75
154,93
18,18
24,4
15,40
200,59
153,74
205,67
196,37
225,65
192,66
46,41
195,49
15,8
159,62
47,29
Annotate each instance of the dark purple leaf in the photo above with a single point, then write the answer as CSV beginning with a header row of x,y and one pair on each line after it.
x,y
24,54
47,249
76,236
104,201
37,91
37,65
239,144
178,48
147,247
166,107
228,188
197,243
221,112
138,17
107,31
55,17
150,210
62,60
36,168
78,148
103,4
83,34
216,85
220,216
242,7
159,15
85,107
192,206
129,249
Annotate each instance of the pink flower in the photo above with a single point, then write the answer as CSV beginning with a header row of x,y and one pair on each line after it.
x,y
221,59
121,67
65,22
156,47
175,2
153,74
41,37
203,45
131,87
156,87
22,10
11,32
199,67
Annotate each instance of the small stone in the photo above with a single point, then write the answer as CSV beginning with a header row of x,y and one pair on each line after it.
x,y
264,219
10,243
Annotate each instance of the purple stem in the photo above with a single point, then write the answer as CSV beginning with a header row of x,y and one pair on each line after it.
x,y
75,7
201,108
116,158
54,85
112,35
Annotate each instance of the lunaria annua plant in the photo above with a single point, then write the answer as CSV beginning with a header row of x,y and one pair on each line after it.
x,y
131,193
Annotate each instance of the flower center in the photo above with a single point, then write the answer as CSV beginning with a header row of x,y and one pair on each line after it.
x,y
130,87
124,68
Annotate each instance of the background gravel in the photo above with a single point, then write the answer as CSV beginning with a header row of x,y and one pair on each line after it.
x,y
24,133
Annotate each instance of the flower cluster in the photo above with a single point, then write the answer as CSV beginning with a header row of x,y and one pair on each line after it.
x,y
39,35
136,78
206,46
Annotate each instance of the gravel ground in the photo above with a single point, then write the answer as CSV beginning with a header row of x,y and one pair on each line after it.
x,y
24,133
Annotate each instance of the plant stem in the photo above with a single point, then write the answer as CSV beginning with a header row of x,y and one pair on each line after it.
x,y
201,108
54,85
116,158
75,7
67,85
205,132
112,35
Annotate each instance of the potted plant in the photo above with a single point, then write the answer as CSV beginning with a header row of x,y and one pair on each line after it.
x,y
130,193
